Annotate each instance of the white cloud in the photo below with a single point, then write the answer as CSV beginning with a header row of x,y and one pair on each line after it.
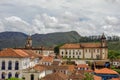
x,y
44,16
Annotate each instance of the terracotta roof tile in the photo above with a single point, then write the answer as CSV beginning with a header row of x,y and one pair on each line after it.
x,y
82,66
91,45
47,59
82,45
21,53
9,52
52,67
70,46
105,71
12,53
97,77
71,67
56,62
32,54
39,68
55,76
76,76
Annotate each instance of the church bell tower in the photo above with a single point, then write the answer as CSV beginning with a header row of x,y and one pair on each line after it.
x,y
103,41
28,44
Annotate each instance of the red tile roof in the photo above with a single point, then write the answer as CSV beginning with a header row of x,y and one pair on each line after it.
x,y
55,76
82,45
76,76
47,59
13,53
39,68
91,45
97,77
82,66
70,46
32,54
105,71
71,67
18,53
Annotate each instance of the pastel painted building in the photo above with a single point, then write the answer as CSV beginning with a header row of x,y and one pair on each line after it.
x,y
85,50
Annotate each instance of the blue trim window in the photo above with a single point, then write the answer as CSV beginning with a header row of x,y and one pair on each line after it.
x,y
16,75
3,65
10,65
3,75
9,75
16,65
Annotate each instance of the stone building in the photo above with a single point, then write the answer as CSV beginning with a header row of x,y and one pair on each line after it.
x,y
85,50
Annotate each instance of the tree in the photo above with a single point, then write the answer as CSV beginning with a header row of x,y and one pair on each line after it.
x,y
112,55
14,78
88,76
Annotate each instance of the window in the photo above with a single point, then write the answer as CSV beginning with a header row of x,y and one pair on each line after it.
x,y
73,53
16,65
3,65
10,65
3,75
66,52
62,52
86,50
17,75
69,56
98,50
79,53
9,75
73,56
69,53
76,53
32,76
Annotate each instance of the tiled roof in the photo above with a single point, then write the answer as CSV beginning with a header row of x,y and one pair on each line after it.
x,y
70,46
52,67
105,71
97,77
39,68
13,53
82,66
18,53
91,45
76,76
82,45
55,76
56,62
32,54
71,67
47,59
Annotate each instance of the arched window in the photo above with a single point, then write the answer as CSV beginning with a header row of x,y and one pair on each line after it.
x,y
10,65
3,75
16,65
32,76
3,65
9,75
17,75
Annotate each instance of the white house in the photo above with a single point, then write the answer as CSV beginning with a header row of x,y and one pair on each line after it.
x,y
13,61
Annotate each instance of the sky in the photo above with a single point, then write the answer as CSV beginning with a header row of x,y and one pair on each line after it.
x,y
87,17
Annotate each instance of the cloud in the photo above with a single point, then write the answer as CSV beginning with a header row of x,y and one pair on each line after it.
x,y
88,17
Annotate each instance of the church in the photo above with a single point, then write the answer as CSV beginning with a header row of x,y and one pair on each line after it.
x,y
85,51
